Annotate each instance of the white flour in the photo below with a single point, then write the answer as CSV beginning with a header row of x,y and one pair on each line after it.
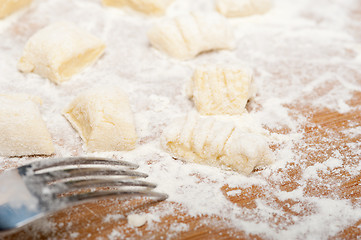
x,y
304,53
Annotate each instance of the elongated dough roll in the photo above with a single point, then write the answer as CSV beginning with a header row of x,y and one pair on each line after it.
x,y
59,51
23,131
219,89
209,141
103,119
184,37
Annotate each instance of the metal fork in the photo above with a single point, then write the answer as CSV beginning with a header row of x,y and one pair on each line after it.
x,y
35,190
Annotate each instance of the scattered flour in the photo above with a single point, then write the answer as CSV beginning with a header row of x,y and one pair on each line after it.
x,y
306,56
333,163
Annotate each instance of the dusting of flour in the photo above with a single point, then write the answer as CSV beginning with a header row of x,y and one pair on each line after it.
x,y
306,55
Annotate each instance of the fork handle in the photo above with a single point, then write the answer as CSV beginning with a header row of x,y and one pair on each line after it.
x,y
12,217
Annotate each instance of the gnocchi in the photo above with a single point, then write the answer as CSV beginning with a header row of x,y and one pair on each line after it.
x,y
103,119
8,7
59,51
23,131
243,8
184,37
221,90
207,140
153,7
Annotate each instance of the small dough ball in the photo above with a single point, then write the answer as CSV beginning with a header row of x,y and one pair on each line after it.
x,y
152,7
59,51
220,143
243,8
184,37
103,119
7,7
23,131
137,220
221,90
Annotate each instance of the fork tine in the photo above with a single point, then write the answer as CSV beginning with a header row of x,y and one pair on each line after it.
x,y
77,198
62,188
89,173
73,185
79,162
50,185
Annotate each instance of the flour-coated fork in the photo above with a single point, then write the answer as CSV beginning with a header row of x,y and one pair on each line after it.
x,y
37,189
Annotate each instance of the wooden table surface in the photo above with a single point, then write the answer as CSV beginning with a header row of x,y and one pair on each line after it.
x,y
324,133
88,219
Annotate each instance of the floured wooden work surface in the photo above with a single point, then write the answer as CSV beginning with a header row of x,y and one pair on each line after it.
x,y
307,60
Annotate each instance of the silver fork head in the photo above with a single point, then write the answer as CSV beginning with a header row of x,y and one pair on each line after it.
x,y
42,187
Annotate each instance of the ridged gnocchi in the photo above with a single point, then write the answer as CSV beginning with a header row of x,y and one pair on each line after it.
x,y
219,143
243,8
221,90
152,7
184,37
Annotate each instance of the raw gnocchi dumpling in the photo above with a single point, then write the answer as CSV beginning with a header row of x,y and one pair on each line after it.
x,y
59,51
103,119
219,89
7,7
23,131
153,7
243,8
186,36
206,140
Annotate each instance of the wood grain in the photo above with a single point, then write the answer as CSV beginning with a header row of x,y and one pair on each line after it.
x,y
87,220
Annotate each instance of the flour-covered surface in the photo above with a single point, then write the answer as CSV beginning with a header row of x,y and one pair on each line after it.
x,y
307,61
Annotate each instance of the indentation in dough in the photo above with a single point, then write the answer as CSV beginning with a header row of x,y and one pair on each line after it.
x,y
184,37
220,143
221,90
103,119
23,131
59,51
7,7
153,7
243,8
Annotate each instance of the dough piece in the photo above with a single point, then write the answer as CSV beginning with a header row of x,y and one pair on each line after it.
x,y
221,90
184,37
59,51
7,7
103,119
152,7
23,131
206,140
243,8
